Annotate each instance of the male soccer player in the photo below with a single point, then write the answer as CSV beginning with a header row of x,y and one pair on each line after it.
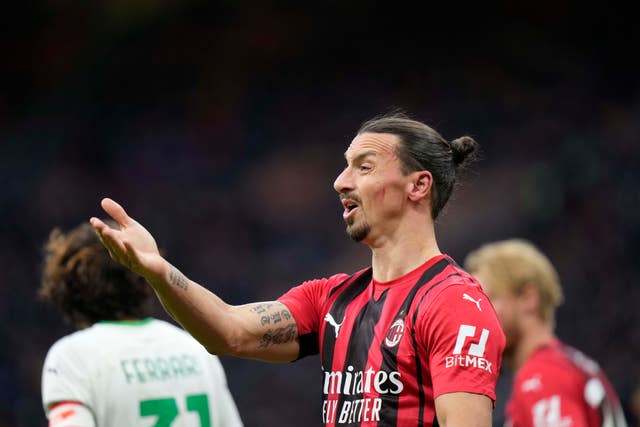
x,y
121,369
555,385
410,337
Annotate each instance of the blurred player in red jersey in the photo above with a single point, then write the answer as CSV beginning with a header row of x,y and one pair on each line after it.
x,y
555,385
410,337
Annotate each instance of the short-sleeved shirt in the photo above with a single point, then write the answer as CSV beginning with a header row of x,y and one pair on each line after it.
x,y
559,386
138,373
389,349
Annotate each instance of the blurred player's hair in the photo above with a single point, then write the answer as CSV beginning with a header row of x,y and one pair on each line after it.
x,y
512,265
85,284
423,148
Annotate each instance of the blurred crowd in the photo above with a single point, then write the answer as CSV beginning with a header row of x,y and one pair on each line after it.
x,y
221,127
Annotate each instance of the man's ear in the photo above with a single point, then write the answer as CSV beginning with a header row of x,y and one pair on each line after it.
x,y
420,185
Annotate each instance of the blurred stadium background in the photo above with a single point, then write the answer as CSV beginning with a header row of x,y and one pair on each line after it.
x,y
221,126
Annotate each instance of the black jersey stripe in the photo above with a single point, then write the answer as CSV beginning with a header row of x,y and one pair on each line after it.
x,y
348,281
421,396
308,345
357,355
454,263
415,313
354,287
389,410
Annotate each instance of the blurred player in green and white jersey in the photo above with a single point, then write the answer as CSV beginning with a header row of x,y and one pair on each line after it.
x,y
121,368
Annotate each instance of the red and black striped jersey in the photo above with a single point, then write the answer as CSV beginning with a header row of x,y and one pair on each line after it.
x,y
389,349
560,386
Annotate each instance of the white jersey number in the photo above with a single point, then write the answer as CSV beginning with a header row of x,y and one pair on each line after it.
x,y
546,413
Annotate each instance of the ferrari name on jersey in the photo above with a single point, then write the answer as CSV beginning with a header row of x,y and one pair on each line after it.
x,y
474,356
143,370
343,384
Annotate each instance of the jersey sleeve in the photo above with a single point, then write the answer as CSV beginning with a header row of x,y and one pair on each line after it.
x,y
547,399
65,376
464,341
227,411
305,302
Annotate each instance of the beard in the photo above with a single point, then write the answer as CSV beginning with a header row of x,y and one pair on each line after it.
x,y
358,232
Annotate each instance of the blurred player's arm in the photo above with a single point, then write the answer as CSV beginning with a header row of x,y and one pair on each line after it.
x,y
463,410
70,414
66,395
265,331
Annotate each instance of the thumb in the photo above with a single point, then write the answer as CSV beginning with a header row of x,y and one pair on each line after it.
x,y
116,212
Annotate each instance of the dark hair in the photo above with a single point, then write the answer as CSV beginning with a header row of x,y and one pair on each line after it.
x,y
422,148
85,284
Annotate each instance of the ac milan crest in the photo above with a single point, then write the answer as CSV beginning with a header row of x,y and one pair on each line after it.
x,y
394,335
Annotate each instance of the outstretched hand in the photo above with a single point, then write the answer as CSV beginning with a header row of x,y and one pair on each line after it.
x,y
132,245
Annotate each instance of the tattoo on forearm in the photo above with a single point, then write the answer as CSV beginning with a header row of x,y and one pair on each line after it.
x,y
279,335
176,278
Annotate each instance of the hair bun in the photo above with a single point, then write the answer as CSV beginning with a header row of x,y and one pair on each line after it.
x,y
464,150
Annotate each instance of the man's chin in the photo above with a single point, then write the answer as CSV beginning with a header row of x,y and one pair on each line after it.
x,y
358,232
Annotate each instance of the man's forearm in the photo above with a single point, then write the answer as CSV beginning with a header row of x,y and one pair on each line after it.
x,y
202,313
262,330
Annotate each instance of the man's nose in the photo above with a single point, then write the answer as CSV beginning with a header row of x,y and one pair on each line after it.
x,y
344,181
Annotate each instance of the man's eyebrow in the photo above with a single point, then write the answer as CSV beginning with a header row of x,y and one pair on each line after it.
x,y
361,156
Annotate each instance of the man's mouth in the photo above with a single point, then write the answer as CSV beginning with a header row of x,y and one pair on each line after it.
x,y
350,206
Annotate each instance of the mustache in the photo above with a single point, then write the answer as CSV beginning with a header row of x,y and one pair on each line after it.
x,y
350,196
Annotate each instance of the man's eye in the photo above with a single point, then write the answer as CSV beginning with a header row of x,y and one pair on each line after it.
x,y
365,167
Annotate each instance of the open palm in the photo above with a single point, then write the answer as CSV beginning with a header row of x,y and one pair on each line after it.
x,y
132,245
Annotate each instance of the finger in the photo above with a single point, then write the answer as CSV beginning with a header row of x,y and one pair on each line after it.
x,y
100,227
116,212
97,224
111,238
110,244
107,245
134,255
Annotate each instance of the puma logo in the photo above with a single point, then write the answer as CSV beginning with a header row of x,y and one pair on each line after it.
x,y
329,318
468,298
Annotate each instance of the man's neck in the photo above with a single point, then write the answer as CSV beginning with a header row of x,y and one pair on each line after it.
x,y
400,254
538,336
